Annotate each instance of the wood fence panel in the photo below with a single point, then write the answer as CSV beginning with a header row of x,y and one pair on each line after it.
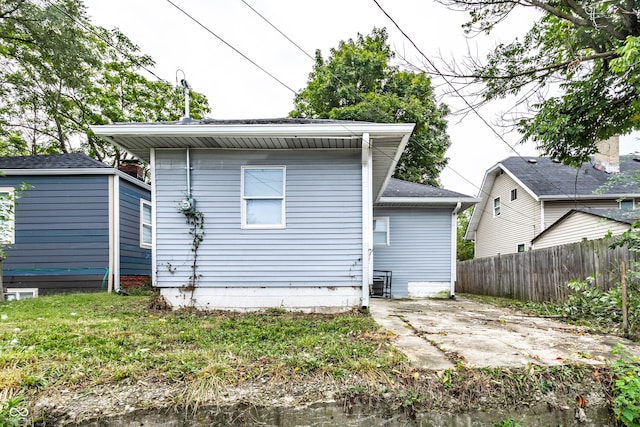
x,y
542,274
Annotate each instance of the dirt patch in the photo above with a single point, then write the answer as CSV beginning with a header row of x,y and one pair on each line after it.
x,y
408,394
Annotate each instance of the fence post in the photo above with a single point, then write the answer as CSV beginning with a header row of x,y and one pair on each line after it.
x,y
625,302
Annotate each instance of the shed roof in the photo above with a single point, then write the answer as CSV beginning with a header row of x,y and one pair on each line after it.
x,y
51,161
401,193
61,164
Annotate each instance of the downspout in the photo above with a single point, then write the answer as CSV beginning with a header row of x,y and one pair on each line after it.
x,y
367,220
154,255
188,173
116,234
111,231
454,247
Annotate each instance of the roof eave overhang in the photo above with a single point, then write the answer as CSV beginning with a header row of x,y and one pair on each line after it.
x,y
74,171
272,130
562,197
427,202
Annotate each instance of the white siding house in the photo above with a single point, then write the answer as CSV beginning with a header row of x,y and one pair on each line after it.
x,y
586,224
520,198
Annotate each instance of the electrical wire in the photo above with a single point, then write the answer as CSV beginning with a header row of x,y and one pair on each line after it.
x,y
289,39
231,47
467,103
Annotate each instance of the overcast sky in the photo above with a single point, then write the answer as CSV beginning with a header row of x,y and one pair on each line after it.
x,y
236,89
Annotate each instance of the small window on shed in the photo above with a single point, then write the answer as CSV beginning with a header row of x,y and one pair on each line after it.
x,y
521,247
146,224
381,231
514,194
626,204
496,206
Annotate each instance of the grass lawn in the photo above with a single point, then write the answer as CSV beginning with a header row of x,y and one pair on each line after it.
x,y
81,340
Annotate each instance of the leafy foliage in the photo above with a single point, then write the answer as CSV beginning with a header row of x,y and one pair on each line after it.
x,y
625,373
357,82
465,248
61,75
589,50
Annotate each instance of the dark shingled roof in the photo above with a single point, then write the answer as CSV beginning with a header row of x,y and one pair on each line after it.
x,y
399,188
545,177
53,161
628,216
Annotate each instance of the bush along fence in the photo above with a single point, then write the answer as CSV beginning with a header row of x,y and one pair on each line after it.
x,y
542,275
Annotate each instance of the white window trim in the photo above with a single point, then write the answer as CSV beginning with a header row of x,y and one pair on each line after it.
x,y
633,203
243,200
514,192
499,206
12,215
18,291
386,219
144,202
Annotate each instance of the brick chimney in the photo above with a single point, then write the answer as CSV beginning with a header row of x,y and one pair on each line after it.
x,y
607,158
133,168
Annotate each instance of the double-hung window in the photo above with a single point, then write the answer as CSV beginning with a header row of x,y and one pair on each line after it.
x,y
263,196
7,215
496,206
381,231
146,224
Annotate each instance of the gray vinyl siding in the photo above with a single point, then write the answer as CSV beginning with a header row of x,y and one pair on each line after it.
x,y
134,260
320,246
518,223
419,246
61,233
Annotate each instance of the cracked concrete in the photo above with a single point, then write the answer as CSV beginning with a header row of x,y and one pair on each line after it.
x,y
436,334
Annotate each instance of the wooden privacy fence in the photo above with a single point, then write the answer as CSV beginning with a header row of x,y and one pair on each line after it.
x,y
542,274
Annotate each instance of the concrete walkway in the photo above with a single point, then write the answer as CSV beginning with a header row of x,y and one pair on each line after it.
x,y
436,333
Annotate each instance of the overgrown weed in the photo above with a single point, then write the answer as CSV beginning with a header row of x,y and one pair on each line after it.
x,y
76,341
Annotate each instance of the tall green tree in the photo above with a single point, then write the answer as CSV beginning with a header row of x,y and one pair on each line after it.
x,y
60,74
573,47
358,82
465,248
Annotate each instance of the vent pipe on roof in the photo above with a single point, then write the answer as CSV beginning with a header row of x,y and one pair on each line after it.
x,y
183,82
185,85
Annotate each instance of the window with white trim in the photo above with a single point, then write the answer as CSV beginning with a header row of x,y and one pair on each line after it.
x,y
381,230
263,196
18,294
521,247
7,215
626,204
146,224
496,206
514,194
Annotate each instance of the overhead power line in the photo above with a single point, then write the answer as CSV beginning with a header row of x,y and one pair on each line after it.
x,y
467,103
207,29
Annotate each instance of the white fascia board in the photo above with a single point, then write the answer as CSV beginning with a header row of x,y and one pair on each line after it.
x,y
76,171
394,162
483,195
428,200
560,197
247,130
